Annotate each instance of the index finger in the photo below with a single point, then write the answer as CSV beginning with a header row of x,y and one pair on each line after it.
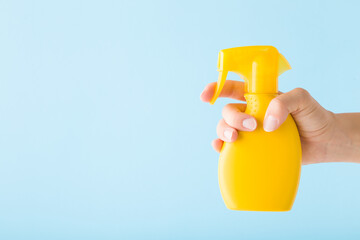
x,y
232,89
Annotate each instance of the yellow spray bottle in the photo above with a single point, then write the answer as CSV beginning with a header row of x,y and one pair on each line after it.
x,y
260,171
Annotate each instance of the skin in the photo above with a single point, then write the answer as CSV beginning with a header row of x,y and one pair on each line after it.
x,y
325,136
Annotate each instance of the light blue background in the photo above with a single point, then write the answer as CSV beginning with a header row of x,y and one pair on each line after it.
x,y
103,135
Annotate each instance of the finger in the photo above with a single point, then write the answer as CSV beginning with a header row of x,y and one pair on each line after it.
x,y
217,144
233,115
280,107
232,89
225,132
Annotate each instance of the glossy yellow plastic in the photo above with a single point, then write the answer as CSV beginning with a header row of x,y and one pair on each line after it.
x,y
260,171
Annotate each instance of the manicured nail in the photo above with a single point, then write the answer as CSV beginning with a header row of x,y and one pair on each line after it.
x,y
270,123
228,133
249,123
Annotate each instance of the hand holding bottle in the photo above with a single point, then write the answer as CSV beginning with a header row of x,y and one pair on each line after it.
x,y
325,136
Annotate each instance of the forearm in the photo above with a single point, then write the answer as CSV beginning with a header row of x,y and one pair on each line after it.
x,y
345,143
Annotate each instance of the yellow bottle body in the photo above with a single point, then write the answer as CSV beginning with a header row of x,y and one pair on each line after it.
x,y
260,171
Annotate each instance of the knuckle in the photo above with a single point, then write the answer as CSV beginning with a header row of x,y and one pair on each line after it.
x,y
226,109
303,96
303,93
220,126
220,123
230,113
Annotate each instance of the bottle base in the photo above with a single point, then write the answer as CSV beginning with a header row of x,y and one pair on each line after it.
x,y
260,209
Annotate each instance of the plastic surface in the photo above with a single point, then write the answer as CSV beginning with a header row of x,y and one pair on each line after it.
x,y
260,171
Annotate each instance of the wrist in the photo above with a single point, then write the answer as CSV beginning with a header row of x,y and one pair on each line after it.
x,y
344,145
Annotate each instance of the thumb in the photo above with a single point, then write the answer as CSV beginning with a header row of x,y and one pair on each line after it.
x,y
298,102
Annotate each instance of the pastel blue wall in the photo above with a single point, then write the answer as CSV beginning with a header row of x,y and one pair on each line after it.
x,y
103,135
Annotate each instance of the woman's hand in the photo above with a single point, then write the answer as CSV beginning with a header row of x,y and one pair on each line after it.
x,y
324,137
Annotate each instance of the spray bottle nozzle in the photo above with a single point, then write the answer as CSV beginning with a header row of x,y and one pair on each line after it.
x,y
259,66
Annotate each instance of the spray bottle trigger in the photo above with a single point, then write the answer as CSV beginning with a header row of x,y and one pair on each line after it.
x,y
219,85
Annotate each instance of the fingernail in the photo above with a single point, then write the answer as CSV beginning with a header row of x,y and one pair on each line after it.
x,y
270,123
228,134
249,123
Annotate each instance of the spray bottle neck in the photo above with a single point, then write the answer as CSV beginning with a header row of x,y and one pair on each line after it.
x,y
263,74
